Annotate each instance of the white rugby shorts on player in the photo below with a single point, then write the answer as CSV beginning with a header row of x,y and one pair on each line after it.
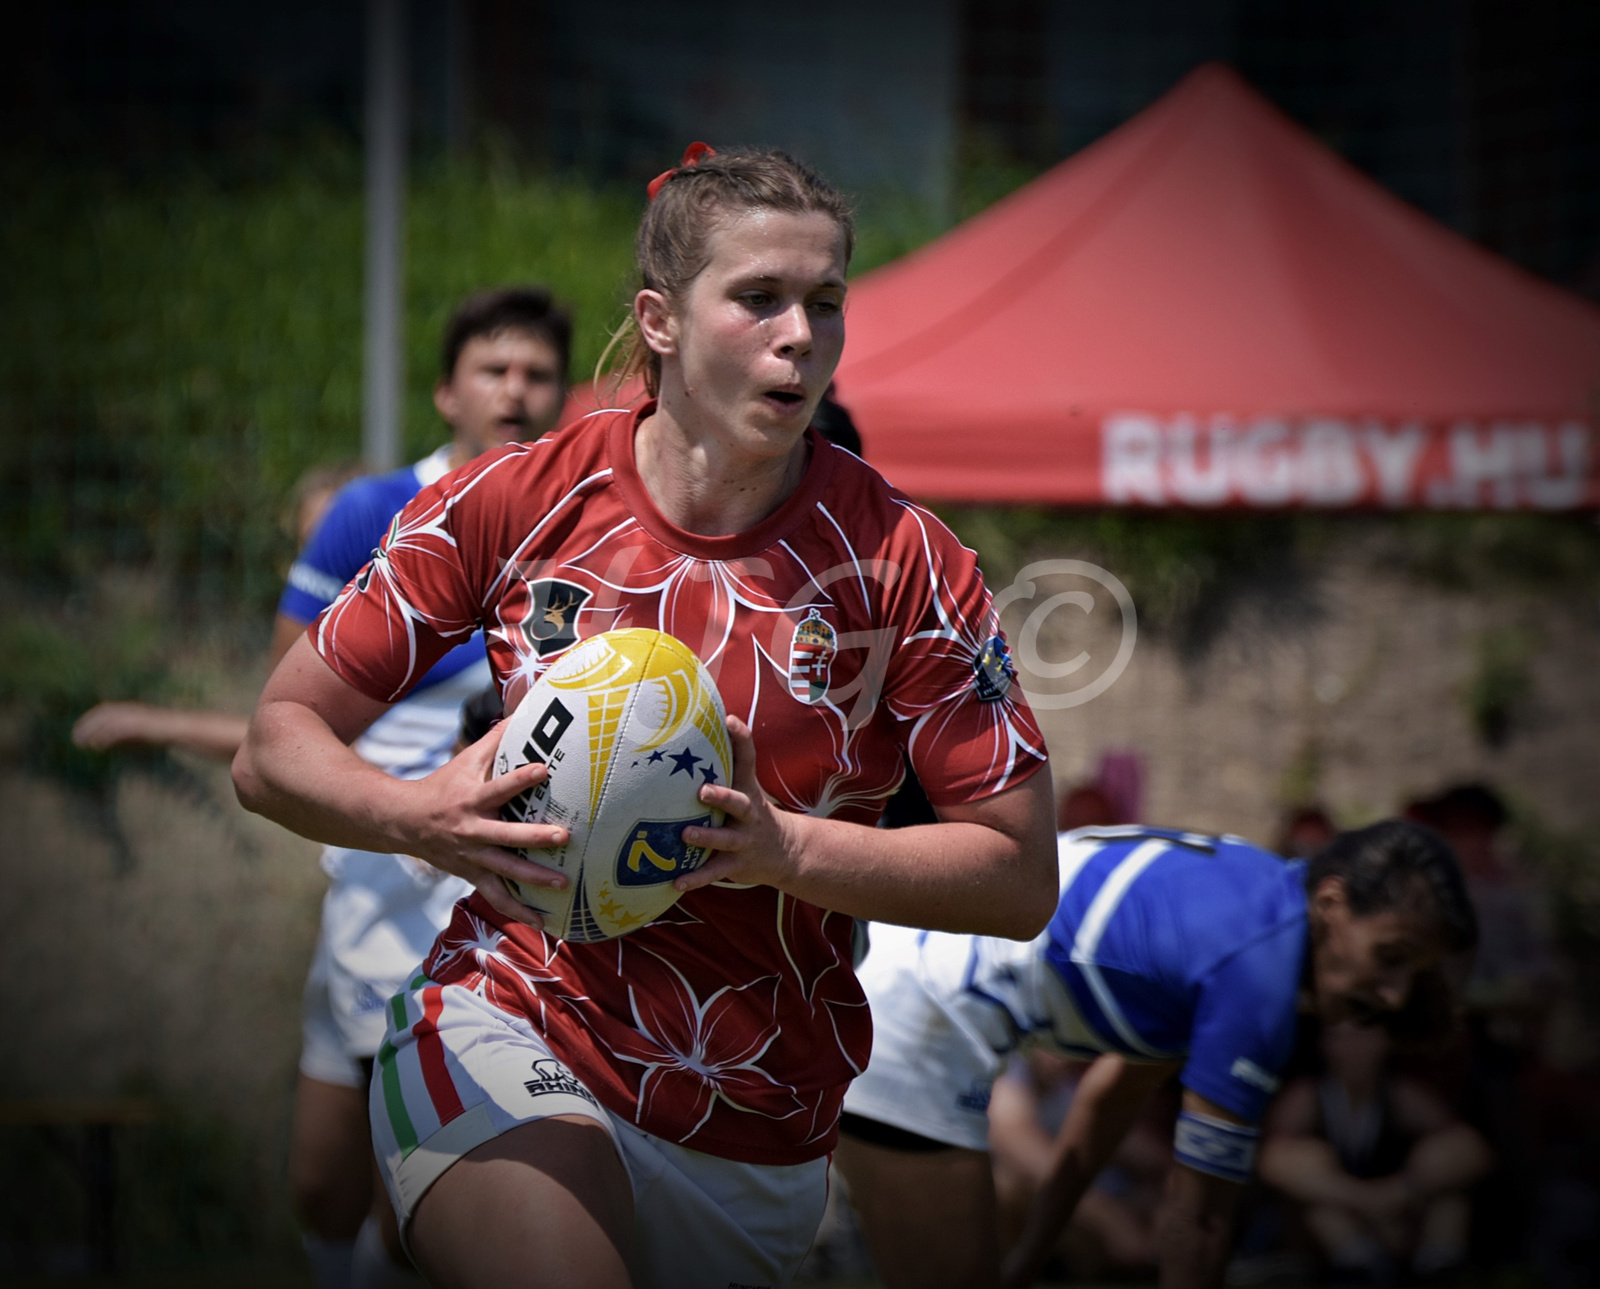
x,y
455,1071
379,919
937,1043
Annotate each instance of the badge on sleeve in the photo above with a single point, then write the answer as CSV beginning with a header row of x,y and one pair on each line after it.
x,y
993,670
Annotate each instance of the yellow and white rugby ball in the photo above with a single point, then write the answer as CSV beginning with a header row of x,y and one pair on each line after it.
x,y
632,727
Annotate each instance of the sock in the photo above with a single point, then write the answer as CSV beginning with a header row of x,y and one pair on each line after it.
x,y
329,1259
373,1268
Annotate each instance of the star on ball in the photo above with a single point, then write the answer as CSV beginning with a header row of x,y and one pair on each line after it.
x,y
685,761
709,774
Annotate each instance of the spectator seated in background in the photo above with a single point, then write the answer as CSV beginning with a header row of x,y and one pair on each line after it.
x,y
1085,807
1515,969
1379,1163
1515,983
1112,1232
1306,830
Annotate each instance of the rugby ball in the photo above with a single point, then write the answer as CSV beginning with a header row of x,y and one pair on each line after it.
x,y
632,727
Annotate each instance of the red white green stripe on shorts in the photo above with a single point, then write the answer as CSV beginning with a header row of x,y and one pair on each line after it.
x,y
430,1060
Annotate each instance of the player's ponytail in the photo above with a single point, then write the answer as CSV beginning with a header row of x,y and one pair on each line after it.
x,y
686,207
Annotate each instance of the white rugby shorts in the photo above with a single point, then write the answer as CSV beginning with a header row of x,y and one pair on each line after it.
x,y
928,1074
323,1054
380,917
475,1071
946,1011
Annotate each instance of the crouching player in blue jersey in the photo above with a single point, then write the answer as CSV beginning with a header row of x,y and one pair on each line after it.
x,y
1170,952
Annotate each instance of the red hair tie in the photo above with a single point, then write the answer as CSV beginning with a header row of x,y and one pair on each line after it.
x,y
691,158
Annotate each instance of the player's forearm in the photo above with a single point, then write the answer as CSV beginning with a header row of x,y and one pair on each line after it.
x,y
1108,1100
1194,1249
107,726
963,877
213,734
1198,1229
293,770
1048,1216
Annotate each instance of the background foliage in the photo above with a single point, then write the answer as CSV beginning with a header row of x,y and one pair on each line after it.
x,y
173,355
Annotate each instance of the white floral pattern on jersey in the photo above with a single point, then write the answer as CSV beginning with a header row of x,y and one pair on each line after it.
x,y
829,985
695,1053
513,975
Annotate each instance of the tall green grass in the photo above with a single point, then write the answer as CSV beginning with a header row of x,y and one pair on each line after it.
x,y
174,354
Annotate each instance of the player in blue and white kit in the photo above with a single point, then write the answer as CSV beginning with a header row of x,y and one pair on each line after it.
x,y
503,379
1169,952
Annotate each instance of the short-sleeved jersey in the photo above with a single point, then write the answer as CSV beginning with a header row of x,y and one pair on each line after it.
x,y
1165,946
846,628
1177,946
415,737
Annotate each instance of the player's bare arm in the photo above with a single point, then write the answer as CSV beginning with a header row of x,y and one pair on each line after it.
x,y
1107,1103
296,768
1197,1230
217,735
107,726
988,867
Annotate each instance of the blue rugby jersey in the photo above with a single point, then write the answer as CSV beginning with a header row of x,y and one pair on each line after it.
x,y
1165,946
416,735
1177,946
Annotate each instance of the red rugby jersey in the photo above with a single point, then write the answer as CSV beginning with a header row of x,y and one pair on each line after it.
x,y
845,627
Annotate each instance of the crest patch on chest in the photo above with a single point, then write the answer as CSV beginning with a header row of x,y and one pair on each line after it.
x,y
811,658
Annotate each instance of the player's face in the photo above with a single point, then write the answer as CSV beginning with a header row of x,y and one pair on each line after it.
x,y
761,328
506,388
1364,967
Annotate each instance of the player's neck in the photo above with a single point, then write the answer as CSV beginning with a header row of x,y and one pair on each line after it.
x,y
703,485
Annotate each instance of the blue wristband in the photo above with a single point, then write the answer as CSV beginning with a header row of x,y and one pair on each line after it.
x,y
1207,1145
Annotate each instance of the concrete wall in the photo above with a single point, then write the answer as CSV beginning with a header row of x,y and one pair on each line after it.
x,y
1357,692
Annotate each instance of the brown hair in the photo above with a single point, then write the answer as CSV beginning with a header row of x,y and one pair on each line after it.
x,y
509,308
672,244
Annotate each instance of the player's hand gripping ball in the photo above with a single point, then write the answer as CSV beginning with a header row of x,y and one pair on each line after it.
x,y
631,725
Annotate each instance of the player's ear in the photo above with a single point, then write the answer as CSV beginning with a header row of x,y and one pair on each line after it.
x,y
444,399
1329,900
658,324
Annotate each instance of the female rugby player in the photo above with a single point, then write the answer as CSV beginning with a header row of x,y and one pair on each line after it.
x,y
658,1109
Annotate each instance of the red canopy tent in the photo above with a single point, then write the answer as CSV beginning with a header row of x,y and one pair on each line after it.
x,y
1209,308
